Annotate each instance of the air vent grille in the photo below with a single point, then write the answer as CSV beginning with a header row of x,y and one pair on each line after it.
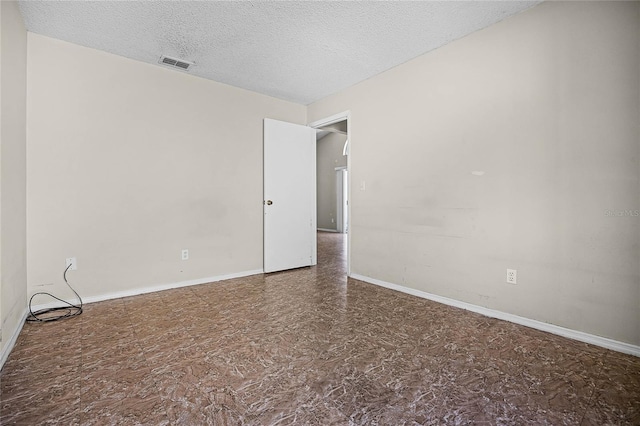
x,y
176,63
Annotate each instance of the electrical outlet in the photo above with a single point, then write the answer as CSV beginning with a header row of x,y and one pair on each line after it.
x,y
185,254
511,276
71,261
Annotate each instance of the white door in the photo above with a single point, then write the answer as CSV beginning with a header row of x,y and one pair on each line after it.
x,y
289,196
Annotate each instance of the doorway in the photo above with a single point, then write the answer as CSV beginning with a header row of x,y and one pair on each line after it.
x,y
333,164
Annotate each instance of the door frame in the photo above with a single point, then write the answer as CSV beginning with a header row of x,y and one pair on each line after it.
x,y
341,206
342,116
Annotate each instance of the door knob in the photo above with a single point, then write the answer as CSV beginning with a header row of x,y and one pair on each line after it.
x,y
269,202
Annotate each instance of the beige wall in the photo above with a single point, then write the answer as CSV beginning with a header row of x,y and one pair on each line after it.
x,y
329,156
546,104
13,272
129,163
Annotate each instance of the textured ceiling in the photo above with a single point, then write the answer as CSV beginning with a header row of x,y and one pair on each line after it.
x,y
298,51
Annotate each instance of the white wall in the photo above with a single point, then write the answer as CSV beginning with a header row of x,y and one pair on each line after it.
x,y
546,104
13,272
128,163
329,156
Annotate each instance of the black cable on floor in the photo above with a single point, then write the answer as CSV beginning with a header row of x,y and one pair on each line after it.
x,y
66,311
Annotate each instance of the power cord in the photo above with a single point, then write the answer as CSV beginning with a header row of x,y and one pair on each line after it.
x,y
71,310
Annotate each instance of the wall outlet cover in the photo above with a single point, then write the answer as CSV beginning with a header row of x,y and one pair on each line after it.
x,y
71,261
512,276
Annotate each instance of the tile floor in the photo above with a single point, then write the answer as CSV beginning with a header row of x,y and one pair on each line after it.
x,y
306,347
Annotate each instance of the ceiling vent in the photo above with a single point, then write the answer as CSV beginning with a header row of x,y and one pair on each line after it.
x,y
176,63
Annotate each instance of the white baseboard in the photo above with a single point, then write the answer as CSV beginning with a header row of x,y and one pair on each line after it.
x,y
6,349
151,289
604,342
327,230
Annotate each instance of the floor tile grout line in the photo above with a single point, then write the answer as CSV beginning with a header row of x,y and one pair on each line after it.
x,y
144,355
84,325
196,339
599,376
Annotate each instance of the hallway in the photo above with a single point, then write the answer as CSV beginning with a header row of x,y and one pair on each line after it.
x,y
306,346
